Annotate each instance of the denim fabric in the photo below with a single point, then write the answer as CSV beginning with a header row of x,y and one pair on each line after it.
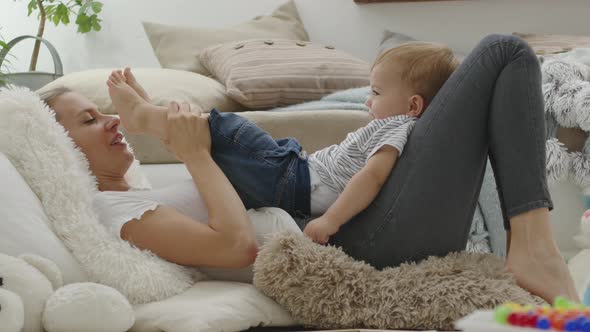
x,y
491,105
265,172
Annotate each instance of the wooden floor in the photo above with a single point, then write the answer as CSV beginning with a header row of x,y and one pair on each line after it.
x,y
299,328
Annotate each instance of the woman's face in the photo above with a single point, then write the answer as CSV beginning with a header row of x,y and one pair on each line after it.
x,y
97,135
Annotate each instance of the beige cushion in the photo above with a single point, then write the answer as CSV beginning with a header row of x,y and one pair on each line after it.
x,y
553,44
266,73
163,86
179,47
313,129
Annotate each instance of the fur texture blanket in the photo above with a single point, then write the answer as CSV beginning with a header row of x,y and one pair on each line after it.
x,y
322,287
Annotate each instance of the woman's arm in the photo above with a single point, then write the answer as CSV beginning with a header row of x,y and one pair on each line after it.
x,y
189,139
179,239
228,240
227,213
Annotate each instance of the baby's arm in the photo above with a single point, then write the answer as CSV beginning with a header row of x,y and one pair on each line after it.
x,y
363,187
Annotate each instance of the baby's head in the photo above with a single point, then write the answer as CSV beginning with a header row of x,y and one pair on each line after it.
x,y
405,79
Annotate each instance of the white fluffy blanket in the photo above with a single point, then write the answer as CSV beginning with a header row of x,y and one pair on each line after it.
x,y
58,173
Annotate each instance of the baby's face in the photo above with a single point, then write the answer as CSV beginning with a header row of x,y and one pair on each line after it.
x,y
390,96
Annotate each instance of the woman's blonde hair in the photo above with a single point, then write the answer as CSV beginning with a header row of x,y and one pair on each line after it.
x,y
424,66
49,95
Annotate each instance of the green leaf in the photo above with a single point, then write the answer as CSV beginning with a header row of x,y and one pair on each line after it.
x,y
65,19
84,23
50,10
63,12
3,44
96,25
84,8
31,6
56,17
96,6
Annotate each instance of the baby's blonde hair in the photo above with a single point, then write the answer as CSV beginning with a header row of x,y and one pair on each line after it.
x,y
424,66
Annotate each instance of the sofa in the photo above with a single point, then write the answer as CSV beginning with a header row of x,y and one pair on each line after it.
x,y
213,305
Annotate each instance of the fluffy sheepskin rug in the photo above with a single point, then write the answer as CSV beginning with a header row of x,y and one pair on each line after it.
x,y
58,173
322,287
567,104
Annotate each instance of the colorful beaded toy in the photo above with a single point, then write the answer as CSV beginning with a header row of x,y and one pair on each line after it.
x,y
563,316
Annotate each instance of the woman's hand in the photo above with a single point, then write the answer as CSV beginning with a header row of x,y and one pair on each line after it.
x,y
188,132
320,229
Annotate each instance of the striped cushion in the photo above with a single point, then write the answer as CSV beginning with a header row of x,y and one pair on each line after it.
x,y
262,73
553,44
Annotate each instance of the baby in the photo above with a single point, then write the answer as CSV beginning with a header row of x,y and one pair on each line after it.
x,y
333,184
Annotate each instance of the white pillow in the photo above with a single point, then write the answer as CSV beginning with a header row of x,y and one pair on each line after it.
x,y
211,306
162,85
222,306
25,227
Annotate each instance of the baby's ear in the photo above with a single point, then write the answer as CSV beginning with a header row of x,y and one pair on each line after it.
x,y
417,105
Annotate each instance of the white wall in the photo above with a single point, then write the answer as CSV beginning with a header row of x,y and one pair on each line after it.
x,y
351,27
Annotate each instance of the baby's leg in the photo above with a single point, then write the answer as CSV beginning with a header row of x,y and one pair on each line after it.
x,y
265,172
132,81
128,77
137,115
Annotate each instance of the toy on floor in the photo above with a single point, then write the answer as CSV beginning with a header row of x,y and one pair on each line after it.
x,y
32,299
563,316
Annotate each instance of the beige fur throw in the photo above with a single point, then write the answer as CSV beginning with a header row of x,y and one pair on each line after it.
x,y
322,287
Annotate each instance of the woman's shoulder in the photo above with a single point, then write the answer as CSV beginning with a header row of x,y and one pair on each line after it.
x,y
115,208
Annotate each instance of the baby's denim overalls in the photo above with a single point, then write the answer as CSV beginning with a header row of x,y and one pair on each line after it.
x,y
265,172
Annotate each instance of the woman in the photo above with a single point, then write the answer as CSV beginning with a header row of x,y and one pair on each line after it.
x,y
492,104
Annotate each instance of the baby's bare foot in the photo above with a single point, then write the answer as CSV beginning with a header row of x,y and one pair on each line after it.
x,y
137,115
132,81
542,272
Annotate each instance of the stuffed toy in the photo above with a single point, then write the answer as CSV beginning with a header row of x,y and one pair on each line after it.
x,y
32,299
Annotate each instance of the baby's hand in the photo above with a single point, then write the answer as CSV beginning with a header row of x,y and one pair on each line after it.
x,y
320,230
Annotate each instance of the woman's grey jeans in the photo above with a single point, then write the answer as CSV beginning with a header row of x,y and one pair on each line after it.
x,y
491,105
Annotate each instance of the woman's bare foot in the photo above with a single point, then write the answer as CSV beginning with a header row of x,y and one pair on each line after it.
x,y
543,273
535,260
133,83
137,115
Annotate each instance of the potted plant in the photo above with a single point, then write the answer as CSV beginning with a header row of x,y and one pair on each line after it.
x,y
59,12
6,62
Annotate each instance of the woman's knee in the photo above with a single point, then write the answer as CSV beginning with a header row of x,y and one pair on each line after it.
x,y
508,47
496,38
